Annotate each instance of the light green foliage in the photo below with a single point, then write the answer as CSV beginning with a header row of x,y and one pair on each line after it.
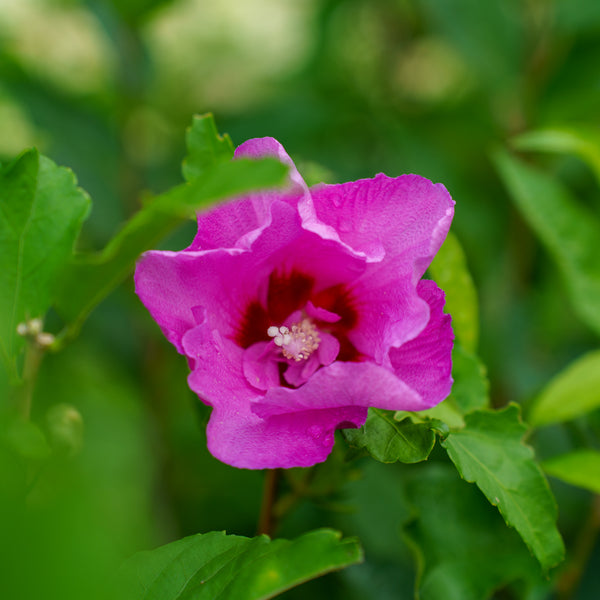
x,y
388,440
449,269
205,147
229,567
572,393
471,387
568,230
489,451
41,211
564,140
464,550
580,468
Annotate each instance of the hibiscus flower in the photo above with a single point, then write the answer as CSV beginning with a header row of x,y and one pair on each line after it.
x,y
299,309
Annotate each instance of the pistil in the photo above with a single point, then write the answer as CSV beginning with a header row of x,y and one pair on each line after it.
x,y
298,342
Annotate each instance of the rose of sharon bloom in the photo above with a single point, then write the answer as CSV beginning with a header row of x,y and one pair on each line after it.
x,y
298,310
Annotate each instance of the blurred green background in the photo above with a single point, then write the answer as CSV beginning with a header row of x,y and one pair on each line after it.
x,y
350,88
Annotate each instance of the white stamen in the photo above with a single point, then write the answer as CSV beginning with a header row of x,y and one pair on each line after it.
x,y
297,344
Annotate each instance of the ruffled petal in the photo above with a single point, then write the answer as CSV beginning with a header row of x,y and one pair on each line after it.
x,y
341,385
217,376
405,216
173,286
302,439
236,435
390,312
260,365
328,349
425,363
316,312
237,223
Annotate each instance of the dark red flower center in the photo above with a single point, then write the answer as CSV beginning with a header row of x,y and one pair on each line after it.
x,y
288,293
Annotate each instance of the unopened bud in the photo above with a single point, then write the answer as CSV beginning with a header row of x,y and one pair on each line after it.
x,y
44,339
35,326
22,329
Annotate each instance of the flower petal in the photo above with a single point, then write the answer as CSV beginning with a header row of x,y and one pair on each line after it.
x,y
236,224
260,365
176,287
341,385
299,439
425,363
236,435
390,312
407,216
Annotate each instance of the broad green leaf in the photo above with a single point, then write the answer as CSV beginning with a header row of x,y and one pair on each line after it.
x,y
449,269
568,140
489,452
469,391
92,277
572,393
463,548
388,440
580,468
568,230
205,147
41,211
230,567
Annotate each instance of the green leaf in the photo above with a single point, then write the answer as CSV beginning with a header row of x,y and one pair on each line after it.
x,y
489,452
568,230
564,140
469,391
41,211
205,147
388,440
92,277
572,393
580,468
230,567
463,548
471,386
449,269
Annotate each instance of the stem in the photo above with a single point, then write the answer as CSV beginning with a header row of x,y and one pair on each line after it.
x,y
266,522
33,358
584,546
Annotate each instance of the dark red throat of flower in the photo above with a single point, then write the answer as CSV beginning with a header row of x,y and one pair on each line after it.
x,y
288,293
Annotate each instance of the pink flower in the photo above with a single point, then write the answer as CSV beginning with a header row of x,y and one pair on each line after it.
x,y
298,310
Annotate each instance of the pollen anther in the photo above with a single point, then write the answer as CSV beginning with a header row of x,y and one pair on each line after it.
x,y
297,343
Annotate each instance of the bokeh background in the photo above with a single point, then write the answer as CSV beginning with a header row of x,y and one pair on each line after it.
x,y
350,88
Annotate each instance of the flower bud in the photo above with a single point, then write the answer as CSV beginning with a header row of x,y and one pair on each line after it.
x,y
44,339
